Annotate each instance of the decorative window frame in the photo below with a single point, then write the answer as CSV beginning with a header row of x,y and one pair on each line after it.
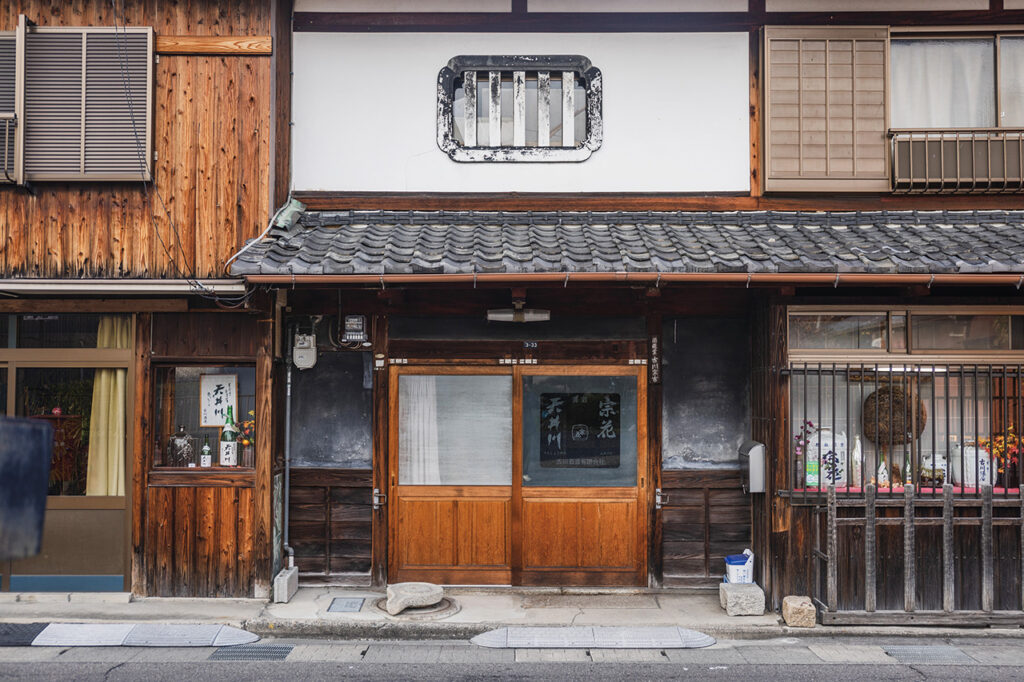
x,y
518,65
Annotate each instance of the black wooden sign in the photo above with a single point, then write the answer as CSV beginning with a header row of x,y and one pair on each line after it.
x,y
580,430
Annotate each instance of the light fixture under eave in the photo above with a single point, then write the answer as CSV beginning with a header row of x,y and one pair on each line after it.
x,y
518,313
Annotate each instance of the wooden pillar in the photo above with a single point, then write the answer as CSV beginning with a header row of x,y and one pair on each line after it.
x,y
141,444
986,549
909,551
832,578
263,538
655,556
379,523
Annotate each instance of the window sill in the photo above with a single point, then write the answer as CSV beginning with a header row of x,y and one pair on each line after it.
x,y
202,477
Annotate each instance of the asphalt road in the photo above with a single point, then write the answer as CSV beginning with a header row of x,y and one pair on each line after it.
x,y
791,659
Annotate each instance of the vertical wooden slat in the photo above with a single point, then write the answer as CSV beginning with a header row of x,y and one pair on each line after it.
x,y
870,582
543,109
262,540
206,543
164,513
227,539
469,87
568,109
832,578
986,548
909,553
138,464
947,548
245,542
494,109
381,430
519,109
184,538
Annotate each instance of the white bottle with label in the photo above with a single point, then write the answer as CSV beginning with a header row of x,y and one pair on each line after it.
x,y
229,441
206,454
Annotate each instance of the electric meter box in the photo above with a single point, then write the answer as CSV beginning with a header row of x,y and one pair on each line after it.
x,y
752,466
354,329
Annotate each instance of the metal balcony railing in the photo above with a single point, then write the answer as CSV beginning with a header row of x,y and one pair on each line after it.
x,y
8,123
983,160
894,425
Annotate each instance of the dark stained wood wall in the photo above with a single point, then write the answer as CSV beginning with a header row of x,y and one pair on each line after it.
x,y
212,130
706,517
329,524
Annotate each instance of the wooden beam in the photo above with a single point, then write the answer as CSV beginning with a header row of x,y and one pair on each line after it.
x,y
832,578
381,431
262,530
909,553
139,457
968,618
987,597
205,45
870,582
95,305
948,603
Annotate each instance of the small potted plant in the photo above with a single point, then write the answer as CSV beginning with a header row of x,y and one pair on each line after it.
x,y
1005,450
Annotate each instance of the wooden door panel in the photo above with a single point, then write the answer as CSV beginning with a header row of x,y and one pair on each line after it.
x,y
580,534
426,533
483,533
608,534
550,534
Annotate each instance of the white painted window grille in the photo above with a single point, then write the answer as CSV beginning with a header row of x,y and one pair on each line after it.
x,y
519,108
75,103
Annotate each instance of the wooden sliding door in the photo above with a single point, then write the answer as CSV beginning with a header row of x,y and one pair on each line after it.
x,y
518,475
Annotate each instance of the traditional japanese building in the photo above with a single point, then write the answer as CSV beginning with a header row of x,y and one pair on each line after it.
x,y
547,268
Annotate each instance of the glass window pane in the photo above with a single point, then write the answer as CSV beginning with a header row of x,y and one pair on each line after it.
x,y
810,331
943,83
454,430
961,332
1011,77
899,332
579,431
177,405
86,407
70,331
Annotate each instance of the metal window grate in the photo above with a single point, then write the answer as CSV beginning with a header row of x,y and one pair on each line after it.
x,y
519,108
945,162
252,652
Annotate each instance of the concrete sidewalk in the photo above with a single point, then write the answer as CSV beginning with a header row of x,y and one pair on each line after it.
x,y
474,610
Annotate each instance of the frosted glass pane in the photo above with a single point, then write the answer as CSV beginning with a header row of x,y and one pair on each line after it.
x,y
455,430
943,83
1011,76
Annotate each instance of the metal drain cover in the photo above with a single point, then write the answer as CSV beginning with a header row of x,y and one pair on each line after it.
x,y
252,652
346,605
928,655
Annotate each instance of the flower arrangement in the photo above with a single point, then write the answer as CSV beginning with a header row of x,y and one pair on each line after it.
x,y
247,436
1005,448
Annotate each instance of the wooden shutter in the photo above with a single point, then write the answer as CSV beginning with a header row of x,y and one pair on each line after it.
x,y
87,104
8,118
825,102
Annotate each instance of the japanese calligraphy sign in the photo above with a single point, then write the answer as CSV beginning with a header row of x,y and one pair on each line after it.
x,y
580,430
216,393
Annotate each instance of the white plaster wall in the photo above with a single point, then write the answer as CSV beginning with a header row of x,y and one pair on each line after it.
x,y
676,113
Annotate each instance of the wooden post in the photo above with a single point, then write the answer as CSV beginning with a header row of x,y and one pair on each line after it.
x,y
870,583
141,445
379,523
262,541
1022,550
947,548
909,554
832,567
986,548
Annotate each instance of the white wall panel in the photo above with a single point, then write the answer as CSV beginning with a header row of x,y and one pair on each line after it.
x,y
871,5
403,6
636,6
676,113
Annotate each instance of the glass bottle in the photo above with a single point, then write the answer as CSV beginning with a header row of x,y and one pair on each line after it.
x,y
229,441
206,459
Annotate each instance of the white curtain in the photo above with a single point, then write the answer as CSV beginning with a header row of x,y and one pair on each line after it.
x,y
1011,79
105,471
943,84
418,448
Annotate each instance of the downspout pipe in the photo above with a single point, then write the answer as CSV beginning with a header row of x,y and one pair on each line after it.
x,y
748,278
288,449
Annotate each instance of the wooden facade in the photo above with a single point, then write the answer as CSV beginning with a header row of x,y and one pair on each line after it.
x,y
212,138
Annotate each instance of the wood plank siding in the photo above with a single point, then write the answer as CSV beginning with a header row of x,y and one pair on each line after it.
x,y
212,137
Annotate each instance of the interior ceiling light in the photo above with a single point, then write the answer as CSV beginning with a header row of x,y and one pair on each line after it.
x,y
518,313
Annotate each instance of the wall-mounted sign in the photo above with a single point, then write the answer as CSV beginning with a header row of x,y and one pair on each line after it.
x,y
217,392
580,430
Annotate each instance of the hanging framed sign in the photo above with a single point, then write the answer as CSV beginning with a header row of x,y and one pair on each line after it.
x,y
217,392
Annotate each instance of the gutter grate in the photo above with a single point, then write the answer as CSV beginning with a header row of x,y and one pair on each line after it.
x,y
928,655
252,652
346,604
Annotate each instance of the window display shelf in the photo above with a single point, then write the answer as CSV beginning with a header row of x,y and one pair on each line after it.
x,y
228,477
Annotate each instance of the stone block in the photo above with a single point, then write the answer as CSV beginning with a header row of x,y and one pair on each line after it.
x,y
403,595
799,612
741,599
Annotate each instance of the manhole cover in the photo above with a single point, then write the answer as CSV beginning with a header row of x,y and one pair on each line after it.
x,y
19,634
442,609
928,655
252,652
346,605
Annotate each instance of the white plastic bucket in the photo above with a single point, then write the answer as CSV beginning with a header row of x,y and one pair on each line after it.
x,y
739,568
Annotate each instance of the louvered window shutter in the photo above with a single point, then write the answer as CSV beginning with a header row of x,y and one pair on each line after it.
x,y
8,117
87,104
825,109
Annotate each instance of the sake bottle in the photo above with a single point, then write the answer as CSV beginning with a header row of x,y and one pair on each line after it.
x,y
229,441
206,454
857,464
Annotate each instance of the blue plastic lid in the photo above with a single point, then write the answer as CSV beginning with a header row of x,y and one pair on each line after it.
x,y
737,559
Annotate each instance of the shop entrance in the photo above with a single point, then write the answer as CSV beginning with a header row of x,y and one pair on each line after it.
x,y
523,475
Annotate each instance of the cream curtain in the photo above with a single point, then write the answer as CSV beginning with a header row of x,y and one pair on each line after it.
x,y
943,83
418,447
105,472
